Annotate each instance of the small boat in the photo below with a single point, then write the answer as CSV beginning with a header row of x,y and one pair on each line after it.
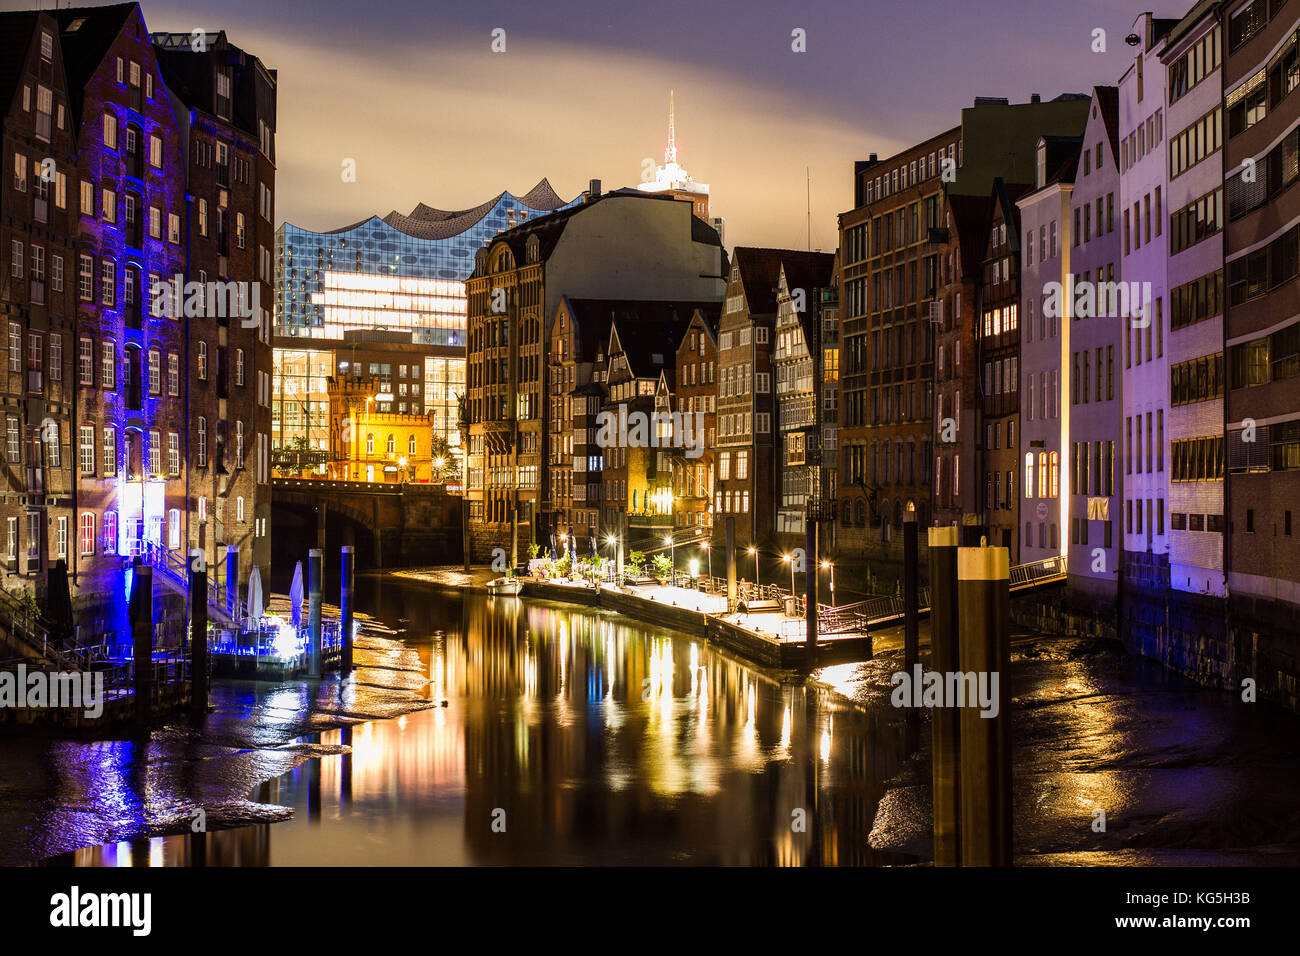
x,y
504,586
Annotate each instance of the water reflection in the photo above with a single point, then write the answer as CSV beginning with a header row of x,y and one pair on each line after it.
x,y
570,737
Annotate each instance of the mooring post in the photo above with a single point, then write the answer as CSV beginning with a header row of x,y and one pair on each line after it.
x,y
945,722
346,568
911,594
983,596
198,637
314,560
971,531
232,579
731,564
810,569
140,615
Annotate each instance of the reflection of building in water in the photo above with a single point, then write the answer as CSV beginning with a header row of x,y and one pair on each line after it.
x,y
604,742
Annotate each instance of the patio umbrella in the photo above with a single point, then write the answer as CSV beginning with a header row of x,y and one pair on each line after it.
x,y
295,597
254,597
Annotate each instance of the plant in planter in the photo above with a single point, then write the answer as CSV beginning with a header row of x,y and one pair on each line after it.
x,y
562,567
636,563
534,550
663,567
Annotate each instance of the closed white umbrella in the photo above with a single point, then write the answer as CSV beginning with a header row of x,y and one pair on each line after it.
x,y
295,597
254,597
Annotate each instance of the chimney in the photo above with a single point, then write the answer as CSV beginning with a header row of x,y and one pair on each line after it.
x,y
593,189
1036,98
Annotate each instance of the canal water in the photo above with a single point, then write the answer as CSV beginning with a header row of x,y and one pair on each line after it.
x,y
484,730
524,734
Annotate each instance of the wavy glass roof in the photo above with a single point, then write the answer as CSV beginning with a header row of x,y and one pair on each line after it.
x,y
432,247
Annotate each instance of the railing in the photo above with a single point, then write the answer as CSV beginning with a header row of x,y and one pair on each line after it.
x,y
173,567
1023,574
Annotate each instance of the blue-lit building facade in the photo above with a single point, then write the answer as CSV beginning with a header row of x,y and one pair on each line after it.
x,y
131,424
384,279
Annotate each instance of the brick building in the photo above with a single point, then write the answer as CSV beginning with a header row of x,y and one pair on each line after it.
x,y
39,223
225,102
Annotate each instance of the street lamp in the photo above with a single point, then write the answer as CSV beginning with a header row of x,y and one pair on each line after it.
x,y
672,551
754,554
790,561
831,566
709,557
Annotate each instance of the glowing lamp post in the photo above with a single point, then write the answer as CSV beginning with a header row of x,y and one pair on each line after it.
x,y
790,561
831,567
672,559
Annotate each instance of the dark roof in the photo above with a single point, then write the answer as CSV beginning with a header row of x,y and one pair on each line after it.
x,y
760,271
972,217
16,31
1107,100
85,47
649,329
548,229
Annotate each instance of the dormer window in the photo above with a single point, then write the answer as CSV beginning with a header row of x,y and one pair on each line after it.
x,y
1042,164
47,45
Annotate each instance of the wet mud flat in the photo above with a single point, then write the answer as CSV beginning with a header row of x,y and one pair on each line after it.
x,y
61,795
1184,774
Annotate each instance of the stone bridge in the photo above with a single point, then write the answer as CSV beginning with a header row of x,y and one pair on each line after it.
x,y
390,524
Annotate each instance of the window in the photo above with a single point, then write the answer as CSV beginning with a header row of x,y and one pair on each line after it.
x,y
174,528
239,367
108,452
173,374
201,443
108,283
174,454
155,371
86,449
110,131
86,533
201,358
108,366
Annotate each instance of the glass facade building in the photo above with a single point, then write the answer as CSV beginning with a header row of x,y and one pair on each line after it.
x,y
394,273
380,283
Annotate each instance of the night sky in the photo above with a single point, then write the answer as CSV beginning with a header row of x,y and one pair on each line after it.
x,y
411,90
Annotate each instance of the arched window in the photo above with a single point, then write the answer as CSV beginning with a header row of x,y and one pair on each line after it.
x,y
1055,475
410,445
391,447
846,512
1029,474
370,443
1042,474
860,513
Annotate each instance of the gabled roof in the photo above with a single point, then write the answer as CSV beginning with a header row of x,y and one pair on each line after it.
x,y
1106,99
594,317
760,271
16,30
650,332
85,34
